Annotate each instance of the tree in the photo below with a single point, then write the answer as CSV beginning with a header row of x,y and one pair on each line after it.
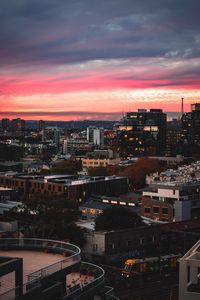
x,y
98,171
11,152
117,217
51,217
137,172
67,167
75,234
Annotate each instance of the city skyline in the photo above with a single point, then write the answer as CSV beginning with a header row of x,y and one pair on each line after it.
x,y
97,60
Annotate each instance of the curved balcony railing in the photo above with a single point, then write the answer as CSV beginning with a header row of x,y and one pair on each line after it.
x,y
71,252
81,289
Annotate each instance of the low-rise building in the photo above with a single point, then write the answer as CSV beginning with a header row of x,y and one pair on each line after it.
x,y
171,201
72,187
117,245
97,204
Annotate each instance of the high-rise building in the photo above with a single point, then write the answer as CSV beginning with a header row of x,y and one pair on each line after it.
x,y
18,125
173,137
57,138
190,131
142,133
65,147
5,124
95,135
41,125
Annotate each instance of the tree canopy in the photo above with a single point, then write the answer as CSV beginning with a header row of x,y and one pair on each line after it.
x,y
137,172
51,217
67,167
11,152
117,217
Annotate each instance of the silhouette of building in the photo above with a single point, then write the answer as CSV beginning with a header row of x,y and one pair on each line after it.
x,y
41,125
142,133
5,124
18,125
173,138
190,131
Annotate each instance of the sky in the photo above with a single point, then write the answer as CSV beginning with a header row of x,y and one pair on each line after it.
x,y
92,59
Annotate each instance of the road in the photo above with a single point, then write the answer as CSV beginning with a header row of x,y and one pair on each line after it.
x,y
144,286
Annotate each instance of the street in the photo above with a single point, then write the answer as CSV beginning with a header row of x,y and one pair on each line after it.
x,y
153,286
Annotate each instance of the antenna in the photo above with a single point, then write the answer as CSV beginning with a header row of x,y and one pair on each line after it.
x,y
182,108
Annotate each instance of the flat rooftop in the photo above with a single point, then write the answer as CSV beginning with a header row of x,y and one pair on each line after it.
x,y
32,261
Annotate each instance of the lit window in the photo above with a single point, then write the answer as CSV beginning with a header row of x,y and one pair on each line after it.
x,y
105,201
122,203
114,202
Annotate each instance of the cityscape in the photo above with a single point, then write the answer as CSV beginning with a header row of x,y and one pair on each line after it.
x,y
99,150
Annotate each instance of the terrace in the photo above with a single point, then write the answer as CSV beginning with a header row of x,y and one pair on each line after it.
x,y
44,262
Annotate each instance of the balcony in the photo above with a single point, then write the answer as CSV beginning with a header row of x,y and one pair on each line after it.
x,y
40,275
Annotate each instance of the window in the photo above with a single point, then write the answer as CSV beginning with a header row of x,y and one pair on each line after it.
x,y
131,204
114,202
165,211
111,246
156,209
94,247
122,203
105,201
147,210
84,210
129,243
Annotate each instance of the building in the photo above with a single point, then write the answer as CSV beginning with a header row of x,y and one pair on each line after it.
x,y
46,269
5,124
41,125
171,201
65,147
190,131
95,205
189,274
156,210
142,133
183,173
77,146
51,134
95,135
74,188
100,158
117,245
18,125
8,199
173,138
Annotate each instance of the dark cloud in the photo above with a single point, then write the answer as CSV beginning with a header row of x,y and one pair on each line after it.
x,y
64,114
58,31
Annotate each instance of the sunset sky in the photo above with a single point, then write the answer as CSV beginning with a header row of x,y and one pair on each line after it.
x,y
95,59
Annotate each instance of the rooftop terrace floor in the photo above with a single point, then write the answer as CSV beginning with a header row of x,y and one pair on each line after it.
x,y
32,261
